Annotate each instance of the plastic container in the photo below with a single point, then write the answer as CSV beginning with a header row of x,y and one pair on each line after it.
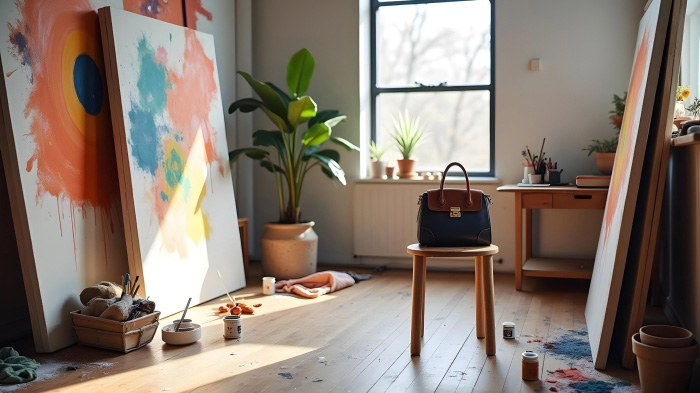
x,y
508,330
531,366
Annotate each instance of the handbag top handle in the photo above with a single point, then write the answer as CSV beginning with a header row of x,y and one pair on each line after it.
x,y
442,184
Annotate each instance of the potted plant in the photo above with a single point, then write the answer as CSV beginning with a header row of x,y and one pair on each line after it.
x,y
377,167
694,109
407,133
605,149
682,93
289,246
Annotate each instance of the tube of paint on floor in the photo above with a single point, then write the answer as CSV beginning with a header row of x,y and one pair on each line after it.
x,y
531,366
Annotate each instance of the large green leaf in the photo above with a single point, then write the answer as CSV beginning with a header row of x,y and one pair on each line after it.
x,y
268,95
311,151
335,121
346,144
271,167
323,116
332,154
285,97
333,166
246,105
316,135
280,122
299,72
269,138
301,110
252,152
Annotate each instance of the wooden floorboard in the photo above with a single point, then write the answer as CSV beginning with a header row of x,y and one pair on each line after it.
x,y
355,340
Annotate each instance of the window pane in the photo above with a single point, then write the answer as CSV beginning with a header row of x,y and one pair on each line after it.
x,y
434,43
457,127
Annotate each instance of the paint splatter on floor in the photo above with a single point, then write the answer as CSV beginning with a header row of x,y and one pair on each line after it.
x,y
536,340
53,369
570,346
596,386
286,375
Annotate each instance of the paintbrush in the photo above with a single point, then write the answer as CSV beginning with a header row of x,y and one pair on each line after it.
x,y
541,151
233,300
183,315
133,293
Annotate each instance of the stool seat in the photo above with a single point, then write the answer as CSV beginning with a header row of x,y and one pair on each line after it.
x,y
485,319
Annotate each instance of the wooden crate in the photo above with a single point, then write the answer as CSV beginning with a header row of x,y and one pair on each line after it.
x,y
122,342
87,321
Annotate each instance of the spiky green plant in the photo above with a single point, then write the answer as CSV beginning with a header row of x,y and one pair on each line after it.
x,y
408,132
375,151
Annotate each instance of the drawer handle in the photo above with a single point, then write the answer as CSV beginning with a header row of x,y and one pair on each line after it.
x,y
583,196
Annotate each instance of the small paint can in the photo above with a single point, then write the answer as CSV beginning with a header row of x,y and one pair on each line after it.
x,y
531,366
268,286
185,326
508,330
232,326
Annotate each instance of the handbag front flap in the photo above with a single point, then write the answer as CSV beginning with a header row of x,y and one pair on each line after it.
x,y
454,197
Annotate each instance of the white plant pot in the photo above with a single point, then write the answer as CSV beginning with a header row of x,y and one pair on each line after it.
x,y
289,250
377,169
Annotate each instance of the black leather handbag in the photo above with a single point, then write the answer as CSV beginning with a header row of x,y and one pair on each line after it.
x,y
451,217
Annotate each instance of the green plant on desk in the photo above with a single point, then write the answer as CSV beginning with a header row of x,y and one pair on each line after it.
x,y
602,146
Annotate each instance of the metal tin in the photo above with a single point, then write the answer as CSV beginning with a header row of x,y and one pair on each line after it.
x,y
232,326
508,330
531,366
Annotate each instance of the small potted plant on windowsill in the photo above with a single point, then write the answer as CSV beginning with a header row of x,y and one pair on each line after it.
x,y
408,132
377,167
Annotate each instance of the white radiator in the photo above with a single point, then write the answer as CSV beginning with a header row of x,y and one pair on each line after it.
x,y
385,217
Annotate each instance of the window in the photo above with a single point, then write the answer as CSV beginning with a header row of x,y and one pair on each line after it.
x,y
434,59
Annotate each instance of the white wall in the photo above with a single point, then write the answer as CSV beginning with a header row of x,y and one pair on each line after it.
x,y
586,50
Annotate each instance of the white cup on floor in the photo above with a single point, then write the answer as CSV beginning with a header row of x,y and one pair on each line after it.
x,y
268,286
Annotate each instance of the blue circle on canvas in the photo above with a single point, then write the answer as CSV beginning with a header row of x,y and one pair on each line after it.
x,y
88,84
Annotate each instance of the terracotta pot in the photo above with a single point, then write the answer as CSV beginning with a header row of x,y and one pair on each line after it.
x,y
616,120
663,370
377,169
389,172
604,162
665,336
407,168
289,250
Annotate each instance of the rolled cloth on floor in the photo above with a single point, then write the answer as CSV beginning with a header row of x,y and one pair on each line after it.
x,y
317,284
15,368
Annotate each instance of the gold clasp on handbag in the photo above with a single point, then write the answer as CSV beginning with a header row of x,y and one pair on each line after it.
x,y
455,212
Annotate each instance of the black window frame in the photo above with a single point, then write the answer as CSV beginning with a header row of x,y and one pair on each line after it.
x,y
491,87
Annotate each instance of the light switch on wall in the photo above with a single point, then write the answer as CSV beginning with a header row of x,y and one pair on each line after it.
x,y
534,65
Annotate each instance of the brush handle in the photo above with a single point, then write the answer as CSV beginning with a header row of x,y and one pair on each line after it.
x,y
177,328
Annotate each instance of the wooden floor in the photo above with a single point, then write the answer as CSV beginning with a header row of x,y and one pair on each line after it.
x,y
357,340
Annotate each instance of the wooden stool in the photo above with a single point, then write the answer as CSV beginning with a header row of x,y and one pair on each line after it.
x,y
243,230
485,320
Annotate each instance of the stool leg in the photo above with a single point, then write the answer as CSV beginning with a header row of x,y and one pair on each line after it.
x,y
479,290
490,322
422,307
418,298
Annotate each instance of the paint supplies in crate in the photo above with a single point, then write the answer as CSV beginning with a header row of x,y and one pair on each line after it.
x,y
115,317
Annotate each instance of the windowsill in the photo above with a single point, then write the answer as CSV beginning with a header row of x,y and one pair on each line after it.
x,y
456,180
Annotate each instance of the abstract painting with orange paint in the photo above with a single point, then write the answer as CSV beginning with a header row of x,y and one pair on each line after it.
x,y
184,216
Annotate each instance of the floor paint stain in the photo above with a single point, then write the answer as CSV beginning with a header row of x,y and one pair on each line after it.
x,y
593,387
286,375
570,346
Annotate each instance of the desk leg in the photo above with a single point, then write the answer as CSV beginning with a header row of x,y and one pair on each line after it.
x,y
528,234
518,241
418,301
490,320
422,307
479,290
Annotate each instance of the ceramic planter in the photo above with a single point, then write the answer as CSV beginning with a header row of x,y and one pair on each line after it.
x,y
663,370
289,250
407,168
604,162
666,336
377,168
616,120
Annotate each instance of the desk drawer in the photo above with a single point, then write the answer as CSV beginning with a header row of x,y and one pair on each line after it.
x,y
533,200
583,200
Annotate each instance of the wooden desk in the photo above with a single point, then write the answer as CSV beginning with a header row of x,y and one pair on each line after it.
x,y
557,197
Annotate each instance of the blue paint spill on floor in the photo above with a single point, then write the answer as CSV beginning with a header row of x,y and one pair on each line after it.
x,y
286,375
571,346
593,387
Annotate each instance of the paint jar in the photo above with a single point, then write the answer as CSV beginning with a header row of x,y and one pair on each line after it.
x,y
531,366
268,286
508,330
232,326
185,326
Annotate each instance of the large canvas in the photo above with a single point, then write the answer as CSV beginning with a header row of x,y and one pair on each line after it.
x,y
613,244
59,160
177,192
